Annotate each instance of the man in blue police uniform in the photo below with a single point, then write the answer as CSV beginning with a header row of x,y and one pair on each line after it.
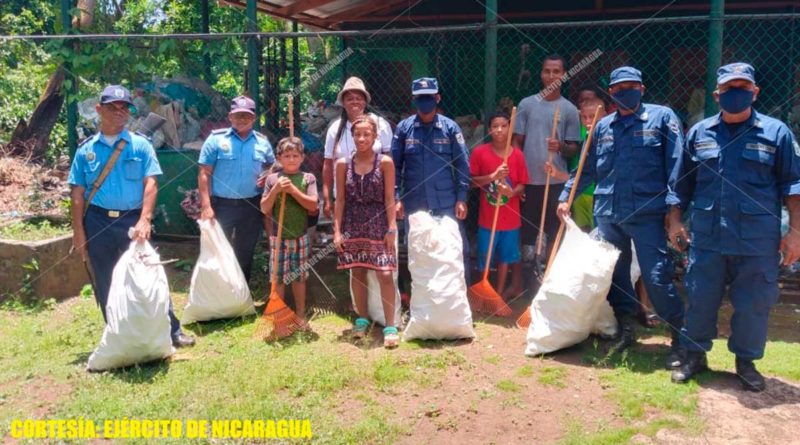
x,y
125,199
630,159
431,162
231,161
735,169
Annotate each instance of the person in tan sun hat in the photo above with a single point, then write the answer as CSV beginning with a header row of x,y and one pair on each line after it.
x,y
354,99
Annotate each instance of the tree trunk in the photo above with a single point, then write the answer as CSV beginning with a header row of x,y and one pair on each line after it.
x,y
31,138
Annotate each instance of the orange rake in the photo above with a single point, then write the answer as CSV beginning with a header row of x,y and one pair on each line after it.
x,y
482,296
524,320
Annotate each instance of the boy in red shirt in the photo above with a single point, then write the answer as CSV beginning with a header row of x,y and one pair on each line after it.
x,y
506,182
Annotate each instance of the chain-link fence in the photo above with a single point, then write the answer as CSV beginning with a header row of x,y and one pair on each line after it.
x,y
190,79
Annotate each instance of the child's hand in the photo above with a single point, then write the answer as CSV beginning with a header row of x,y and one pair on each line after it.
x,y
284,184
338,241
501,172
388,240
505,190
553,171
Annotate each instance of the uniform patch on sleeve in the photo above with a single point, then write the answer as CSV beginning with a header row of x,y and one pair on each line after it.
x,y
606,139
460,138
673,126
761,147
796,148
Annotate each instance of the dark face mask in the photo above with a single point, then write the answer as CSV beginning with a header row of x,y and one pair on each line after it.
x,y
425,104
735,100
628,99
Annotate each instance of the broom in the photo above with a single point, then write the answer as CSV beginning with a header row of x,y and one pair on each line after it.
x,y
482,296
540,238
278,320
525,319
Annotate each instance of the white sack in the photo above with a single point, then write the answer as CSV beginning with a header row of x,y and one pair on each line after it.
x,y
439,306
571,302
219,288
138,328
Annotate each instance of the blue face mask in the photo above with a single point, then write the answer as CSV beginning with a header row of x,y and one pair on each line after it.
x,y
628,99
735,100
425,104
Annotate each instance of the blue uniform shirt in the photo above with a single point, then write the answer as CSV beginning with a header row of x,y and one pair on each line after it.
x,y
431,164
123,188
630,159
237,162
736,182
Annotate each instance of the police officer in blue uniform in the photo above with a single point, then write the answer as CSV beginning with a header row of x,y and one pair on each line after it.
x,y
631,156
431,162
231,161
735,169
125,199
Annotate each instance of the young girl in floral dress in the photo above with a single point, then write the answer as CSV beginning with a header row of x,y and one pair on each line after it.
x,y
365,227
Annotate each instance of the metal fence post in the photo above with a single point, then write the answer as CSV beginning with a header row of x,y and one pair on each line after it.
x,y
490,64
71,92
205,28
716,27
252,60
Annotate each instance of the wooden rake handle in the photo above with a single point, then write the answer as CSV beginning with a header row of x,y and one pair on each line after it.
x,y
506,154
291,116
554,128
578,172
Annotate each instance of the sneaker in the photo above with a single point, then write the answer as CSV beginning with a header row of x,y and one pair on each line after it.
x,y
751,379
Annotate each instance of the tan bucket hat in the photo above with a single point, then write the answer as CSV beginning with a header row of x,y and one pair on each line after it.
x,y
353,84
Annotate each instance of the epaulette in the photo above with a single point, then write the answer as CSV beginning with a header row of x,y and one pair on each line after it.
x,y
146,137
219,131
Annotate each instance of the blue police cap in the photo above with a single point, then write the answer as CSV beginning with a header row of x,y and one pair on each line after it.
x,y
424,85
116,93
733,71
625,74
243,104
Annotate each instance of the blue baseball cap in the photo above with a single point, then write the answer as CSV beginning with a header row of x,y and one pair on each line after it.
x,y
625,74
733,71
116,93
243,104
425,85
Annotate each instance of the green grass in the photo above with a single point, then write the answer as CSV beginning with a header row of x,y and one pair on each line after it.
x,y
525,371
508,385
34,229
553,376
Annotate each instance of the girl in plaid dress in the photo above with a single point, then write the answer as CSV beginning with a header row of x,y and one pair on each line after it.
x,y
365,226
301,199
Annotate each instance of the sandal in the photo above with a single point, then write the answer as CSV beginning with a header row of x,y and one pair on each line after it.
x,y
390,337
360,328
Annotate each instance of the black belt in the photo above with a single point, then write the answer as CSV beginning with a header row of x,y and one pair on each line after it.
x,y
112,213
237,202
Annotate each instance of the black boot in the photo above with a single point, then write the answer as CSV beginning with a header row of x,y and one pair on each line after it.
x,y
751,379
677,353
626,336
694,363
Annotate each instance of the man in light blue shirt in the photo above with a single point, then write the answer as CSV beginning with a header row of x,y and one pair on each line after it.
x,y
125,199
231,162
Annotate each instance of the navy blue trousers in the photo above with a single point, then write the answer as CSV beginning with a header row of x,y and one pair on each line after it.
x,y
754,289
650,241
242,222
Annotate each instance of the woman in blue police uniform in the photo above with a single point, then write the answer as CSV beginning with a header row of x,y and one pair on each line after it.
x,y
125,199
231,161
736,168
631,156
431,162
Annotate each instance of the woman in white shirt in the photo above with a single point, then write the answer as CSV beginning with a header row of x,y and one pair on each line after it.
x,y
354,99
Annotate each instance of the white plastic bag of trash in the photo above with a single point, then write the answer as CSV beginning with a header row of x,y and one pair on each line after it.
x,y
571,303
138,328
218,288
439,306
374,298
